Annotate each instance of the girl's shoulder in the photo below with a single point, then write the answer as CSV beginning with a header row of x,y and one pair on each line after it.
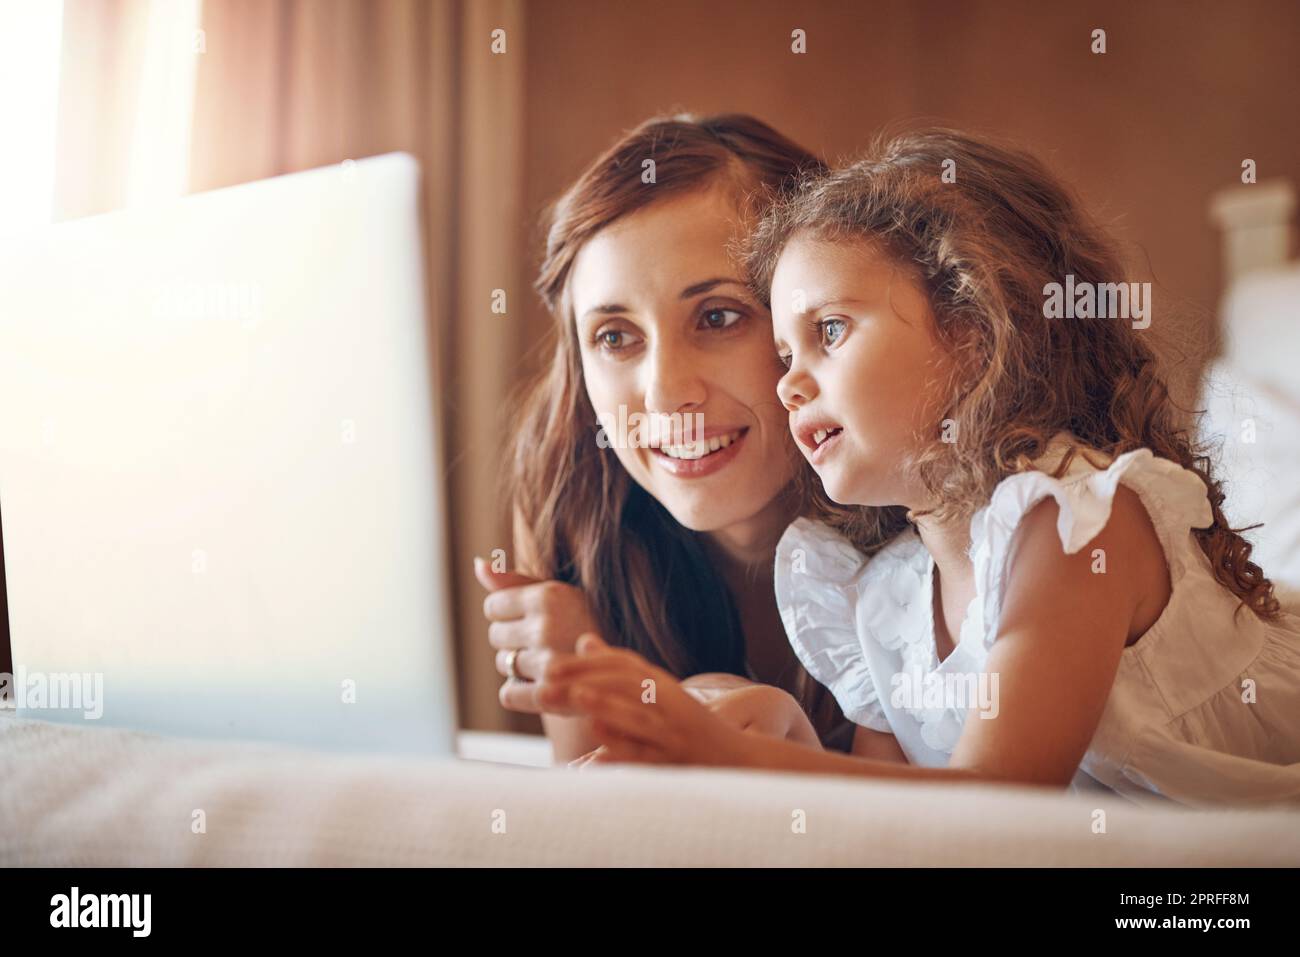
x,y
826,589
1084,482
823,582
811,552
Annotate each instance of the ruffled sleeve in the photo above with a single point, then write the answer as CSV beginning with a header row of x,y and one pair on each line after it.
x,y
1173,496
816,576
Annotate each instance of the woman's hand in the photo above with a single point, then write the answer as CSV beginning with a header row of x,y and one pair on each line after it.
x,y
745,705
639,712
752,707
535,618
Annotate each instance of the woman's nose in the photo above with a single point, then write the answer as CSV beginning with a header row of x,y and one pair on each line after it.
x,y
674,381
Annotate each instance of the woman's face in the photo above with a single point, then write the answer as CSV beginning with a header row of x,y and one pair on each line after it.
x,y
672,339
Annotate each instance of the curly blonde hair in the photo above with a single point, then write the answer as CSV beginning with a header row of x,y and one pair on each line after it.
x,y
983,248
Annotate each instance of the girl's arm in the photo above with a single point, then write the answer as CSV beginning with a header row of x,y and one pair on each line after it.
x,y
1062,631
868,743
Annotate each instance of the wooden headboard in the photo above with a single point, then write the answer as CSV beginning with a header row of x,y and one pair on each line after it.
x,y
1255,221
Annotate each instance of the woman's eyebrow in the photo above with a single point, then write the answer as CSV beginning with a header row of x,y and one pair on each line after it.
x,y
608,309
706,285
614,308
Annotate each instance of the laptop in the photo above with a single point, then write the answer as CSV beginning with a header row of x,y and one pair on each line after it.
x,y
220,486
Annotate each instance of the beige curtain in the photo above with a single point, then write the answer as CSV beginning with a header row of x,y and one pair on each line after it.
x,y
98,84
286,85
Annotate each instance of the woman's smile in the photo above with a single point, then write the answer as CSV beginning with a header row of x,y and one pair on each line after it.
x,y
713,452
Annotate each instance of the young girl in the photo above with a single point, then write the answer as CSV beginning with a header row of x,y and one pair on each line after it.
x,y
1038,585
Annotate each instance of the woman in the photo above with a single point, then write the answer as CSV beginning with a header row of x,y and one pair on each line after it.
x,y
661,538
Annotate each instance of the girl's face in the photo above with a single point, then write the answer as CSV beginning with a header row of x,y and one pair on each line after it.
x,y
866,375
670,332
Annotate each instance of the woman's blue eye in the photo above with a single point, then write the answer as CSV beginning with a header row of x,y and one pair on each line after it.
x,y
615,340
717,318
826,325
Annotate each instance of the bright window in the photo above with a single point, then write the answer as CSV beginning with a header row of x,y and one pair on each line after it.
x,y
30,32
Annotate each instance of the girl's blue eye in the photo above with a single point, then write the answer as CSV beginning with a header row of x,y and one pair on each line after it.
x,y
717,318
824,328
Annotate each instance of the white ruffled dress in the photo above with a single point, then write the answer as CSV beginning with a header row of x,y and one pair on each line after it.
x,y
1205,709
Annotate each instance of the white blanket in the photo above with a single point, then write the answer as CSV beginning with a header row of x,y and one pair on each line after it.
x,y
75,796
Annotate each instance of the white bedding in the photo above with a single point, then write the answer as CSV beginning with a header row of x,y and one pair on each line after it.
x,y
76,796
1252,402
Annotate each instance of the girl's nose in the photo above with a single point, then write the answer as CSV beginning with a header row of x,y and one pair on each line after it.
x,y
796,389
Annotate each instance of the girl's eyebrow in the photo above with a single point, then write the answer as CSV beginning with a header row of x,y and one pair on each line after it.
x,y
822,304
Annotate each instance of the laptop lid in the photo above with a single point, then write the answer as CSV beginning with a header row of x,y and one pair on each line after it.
x,y
219,472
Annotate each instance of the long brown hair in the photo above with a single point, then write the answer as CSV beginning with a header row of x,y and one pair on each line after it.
x,y
649,583
985,245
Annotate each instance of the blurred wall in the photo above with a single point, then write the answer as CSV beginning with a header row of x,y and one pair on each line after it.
x,y
1146,131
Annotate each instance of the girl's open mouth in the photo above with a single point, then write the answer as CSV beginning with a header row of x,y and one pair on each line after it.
x,y
825,442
